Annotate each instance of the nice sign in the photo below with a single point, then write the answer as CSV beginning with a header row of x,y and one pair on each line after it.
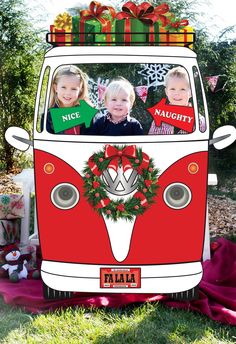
x,y
66,118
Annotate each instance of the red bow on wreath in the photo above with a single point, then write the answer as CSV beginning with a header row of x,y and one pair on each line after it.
x,y
96,11
144,12
116,155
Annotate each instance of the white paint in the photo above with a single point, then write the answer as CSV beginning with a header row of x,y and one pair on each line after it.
x,y
166,278
120,233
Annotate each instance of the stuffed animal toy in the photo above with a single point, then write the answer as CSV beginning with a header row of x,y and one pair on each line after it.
x,y
16,264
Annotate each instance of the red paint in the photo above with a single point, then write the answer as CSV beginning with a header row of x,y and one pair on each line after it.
x,y
179,116
161,236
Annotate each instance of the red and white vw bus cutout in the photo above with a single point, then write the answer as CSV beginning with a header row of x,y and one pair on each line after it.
x,y
83,250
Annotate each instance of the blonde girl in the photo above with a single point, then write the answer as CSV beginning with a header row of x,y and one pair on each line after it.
x,y
69,86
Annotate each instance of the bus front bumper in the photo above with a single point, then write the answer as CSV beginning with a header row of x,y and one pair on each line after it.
x,y
169,278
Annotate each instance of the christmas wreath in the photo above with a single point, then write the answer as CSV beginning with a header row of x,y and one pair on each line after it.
x,y
125,157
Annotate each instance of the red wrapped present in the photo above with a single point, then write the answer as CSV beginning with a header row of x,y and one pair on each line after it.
x,y
62,29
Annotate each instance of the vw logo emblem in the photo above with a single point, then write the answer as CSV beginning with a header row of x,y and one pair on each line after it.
x,y
122,183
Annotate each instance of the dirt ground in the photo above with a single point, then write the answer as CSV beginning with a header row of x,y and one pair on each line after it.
x,y
222,216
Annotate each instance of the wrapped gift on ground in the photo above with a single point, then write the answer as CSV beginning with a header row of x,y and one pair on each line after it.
x,y
11,206
9,232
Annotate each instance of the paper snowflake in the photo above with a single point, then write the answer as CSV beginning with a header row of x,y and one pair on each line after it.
x,y
93,92
97,89
154,74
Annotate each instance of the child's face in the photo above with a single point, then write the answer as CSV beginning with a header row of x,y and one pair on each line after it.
x,y
118,105
68,90
178,91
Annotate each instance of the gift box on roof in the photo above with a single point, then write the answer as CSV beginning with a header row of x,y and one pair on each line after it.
x,y
86,34
92,31
61,30
138,23
177,33
95,25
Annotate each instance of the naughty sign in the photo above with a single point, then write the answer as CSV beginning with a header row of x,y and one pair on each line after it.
x,y
179,116
69,117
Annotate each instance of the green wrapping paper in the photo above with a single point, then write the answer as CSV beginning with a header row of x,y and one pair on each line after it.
x,y
88,29
91,27
148,33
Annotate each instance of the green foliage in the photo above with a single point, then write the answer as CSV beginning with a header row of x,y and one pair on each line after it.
x,y
218,58
19,65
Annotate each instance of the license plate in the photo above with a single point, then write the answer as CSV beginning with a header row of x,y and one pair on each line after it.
x,y
120,278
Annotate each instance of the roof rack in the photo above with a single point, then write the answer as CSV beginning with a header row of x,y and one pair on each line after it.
x,y
185,39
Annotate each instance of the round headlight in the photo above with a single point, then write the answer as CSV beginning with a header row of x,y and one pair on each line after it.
x,y
177,196
65,196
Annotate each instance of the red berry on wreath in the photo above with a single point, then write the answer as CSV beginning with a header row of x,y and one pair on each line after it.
x,y
144,190
97,195
148,182
96,184
108,211
136,207
87,175
150,169
121,207
136,161
100,159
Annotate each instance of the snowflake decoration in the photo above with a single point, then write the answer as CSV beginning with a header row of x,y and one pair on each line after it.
x,y
5,200
93,90
154,74
97,90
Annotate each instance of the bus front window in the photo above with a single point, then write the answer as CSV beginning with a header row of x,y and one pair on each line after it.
x,y
200,103
121,99
42,101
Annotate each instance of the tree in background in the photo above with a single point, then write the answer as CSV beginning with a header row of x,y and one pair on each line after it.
x,y
218,58
19,56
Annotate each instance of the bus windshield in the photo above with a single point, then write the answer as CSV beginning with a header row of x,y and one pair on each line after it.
x,y
121,99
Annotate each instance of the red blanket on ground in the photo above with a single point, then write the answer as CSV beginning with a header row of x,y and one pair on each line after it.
x,y
217,295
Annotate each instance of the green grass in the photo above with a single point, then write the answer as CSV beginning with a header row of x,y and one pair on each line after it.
x,y
144,324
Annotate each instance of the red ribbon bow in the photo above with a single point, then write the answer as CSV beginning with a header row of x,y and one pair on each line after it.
x,y
96,11
144,12
176,25
116,155
160,11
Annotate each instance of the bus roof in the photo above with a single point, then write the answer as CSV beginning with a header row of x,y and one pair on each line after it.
x,y
121,50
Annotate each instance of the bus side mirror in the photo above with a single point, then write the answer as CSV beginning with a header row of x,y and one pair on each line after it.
x,y
18,138
223,136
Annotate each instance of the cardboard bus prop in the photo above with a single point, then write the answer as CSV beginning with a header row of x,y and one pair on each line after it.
x,y
121,194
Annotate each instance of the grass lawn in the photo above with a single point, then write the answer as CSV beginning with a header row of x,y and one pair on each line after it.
x,y
146,323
